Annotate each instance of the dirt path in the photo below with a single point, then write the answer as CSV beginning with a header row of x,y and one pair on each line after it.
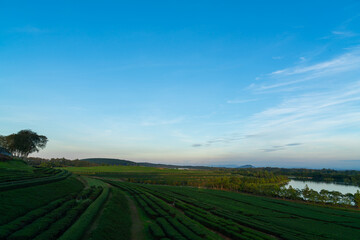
x,y
83,181
137,226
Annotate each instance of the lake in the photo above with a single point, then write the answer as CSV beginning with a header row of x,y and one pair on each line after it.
x,y
318,186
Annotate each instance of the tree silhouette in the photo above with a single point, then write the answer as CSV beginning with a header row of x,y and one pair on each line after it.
x,y
24,142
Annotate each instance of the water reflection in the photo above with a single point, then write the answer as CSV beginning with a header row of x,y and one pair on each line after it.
x,y
318,186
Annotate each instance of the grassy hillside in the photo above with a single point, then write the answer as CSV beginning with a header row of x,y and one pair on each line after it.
x,y
15,165
62,210
19,201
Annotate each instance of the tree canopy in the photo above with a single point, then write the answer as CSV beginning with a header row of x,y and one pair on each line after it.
x,y
23,143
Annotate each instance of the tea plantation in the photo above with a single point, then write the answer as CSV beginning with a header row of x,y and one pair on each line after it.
x,y
106,203
189,213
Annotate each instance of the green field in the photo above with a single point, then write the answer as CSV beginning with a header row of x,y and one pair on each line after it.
x,y
241,216
17,165
122,202
115,169
114,222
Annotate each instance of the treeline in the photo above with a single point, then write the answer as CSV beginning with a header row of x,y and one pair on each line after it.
x,y
58,162
351,177
324,196
219,181
259,182
272,187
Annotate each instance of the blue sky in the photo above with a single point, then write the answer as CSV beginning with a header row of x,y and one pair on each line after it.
x,y
185,82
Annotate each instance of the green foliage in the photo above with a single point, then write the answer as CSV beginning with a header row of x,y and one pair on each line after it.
x,y
240,216
3,142
16,171
15,165
115,221
116,169
254,181
324,175
17,202
94,182
41,224
60,211
156,231
52,220
357,198
58,162
77,230
34,181
7,229
60,226
170,231
170,222
24,142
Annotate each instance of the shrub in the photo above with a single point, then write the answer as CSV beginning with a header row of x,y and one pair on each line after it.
x,y
20,222
41,224
156,231
77,230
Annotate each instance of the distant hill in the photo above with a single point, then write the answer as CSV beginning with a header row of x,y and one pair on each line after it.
x,y
159,165
246,166
92,162
233,166
110,161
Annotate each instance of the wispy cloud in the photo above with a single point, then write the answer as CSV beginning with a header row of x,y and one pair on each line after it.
x,y
344,33
315,120
271,149
340,34
293,144
280,147
342,63
320,109
225,139
196,145
278,79
313,108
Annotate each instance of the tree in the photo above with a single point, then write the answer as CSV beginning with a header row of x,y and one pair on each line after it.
x,y
357,198
306,192
2,141
24,142
324,196
335,197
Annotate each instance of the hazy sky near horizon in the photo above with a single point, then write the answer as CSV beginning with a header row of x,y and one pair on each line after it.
x,y
273,83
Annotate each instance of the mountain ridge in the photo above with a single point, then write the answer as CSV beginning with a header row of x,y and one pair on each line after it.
x,y
122,162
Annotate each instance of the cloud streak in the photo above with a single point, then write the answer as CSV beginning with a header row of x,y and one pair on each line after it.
x,y
280,147
349,61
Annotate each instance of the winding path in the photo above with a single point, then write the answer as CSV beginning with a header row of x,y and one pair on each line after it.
x,y
137,227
